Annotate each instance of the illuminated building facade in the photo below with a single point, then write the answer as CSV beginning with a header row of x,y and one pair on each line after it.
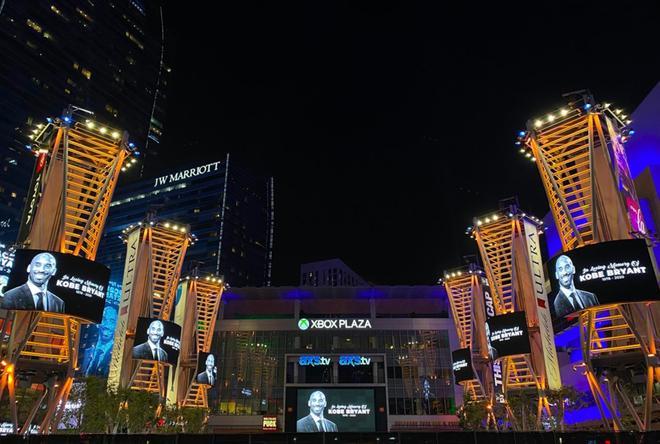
x,y
228,209
107,57
263,335
329,273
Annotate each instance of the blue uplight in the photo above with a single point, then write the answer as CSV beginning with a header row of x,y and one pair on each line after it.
x,y
67,119
49,120
131,145
587,106
521,133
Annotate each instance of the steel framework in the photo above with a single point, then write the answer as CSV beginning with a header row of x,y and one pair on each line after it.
x,y
76,174
465,290
155,266
199,315
503,246
579,154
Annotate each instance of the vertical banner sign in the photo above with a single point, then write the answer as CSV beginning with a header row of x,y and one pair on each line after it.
x,y
132,249
542,307
625,182
34,194
180,304
489,304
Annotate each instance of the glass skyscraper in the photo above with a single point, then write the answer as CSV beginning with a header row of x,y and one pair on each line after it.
x,y
229,210
107,57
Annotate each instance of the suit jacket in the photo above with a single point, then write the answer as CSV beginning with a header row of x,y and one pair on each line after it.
x,y
20,298
203,378
563,306
143,351
492,352
307,424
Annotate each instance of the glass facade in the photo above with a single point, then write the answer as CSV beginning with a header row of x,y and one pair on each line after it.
x,y
252,373
107,57
227,208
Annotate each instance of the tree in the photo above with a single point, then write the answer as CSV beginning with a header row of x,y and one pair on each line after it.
x,y
563,400
473,414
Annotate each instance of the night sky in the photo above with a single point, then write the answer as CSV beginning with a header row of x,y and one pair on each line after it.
x,y
387,127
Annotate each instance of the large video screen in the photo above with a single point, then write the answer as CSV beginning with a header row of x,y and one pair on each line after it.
x,y
507,335
335,410
157,340
57,283
604,273
462,365
207,370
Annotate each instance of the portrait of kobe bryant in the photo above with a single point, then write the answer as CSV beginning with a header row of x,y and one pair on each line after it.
x,y
34,294
151,350
492,351
315,422
569,299
209,375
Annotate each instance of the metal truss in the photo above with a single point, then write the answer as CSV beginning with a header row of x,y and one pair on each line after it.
x,y
68,213
573,150
207,293
500,238
463,289
166,244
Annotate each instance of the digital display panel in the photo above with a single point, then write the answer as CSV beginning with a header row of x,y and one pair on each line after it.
x,y
507,335
57,283
335,410
462,365
96,340
207,370
605,273
157,340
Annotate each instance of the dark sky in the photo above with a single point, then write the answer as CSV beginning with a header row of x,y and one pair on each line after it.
x,y
388,126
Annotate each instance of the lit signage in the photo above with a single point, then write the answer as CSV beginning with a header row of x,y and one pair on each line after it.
x,y
186,174
269,424
313,360
333,324
354,360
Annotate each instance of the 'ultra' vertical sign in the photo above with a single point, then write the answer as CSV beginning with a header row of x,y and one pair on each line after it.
x,y
542,307
133,246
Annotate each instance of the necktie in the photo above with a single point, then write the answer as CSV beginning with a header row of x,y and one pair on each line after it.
x,y
319,425
40,301
154,353
576,301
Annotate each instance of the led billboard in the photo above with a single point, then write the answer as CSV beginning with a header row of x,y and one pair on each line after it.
x,y
507,335
157,340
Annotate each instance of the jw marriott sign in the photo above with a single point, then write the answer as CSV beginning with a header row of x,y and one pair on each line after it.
x,y
186,174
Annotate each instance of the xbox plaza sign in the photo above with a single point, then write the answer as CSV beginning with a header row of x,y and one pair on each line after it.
x,y
333,324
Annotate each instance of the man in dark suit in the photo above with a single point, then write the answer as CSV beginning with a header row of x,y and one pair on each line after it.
x,y
315,422
209,375
34,294
99,361
492,351
151,349
569,299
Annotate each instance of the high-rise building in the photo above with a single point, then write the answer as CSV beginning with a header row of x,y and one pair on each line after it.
x,y
107,57
229,210
329,273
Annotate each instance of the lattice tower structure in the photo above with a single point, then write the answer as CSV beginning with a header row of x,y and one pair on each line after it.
x,y
198,326
464,289
579,152
503,247
78,164
156,250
